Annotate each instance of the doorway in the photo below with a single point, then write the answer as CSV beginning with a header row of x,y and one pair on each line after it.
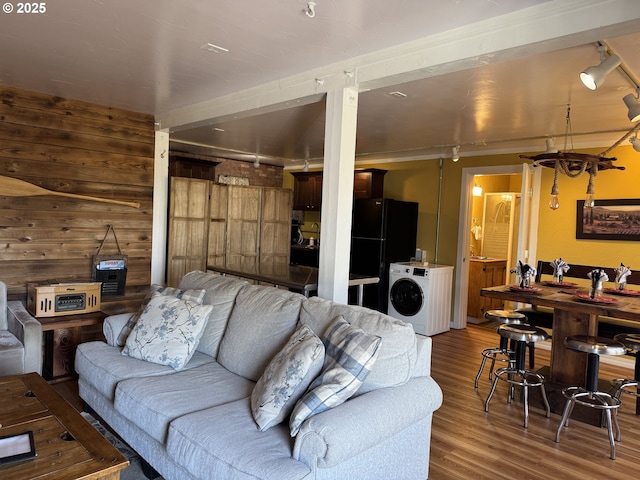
x,y
524,228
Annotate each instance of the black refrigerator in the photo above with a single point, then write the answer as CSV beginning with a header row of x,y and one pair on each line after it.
x,y
383,231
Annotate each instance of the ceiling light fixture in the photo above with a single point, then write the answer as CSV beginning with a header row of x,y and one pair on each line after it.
x,y
633,105
257,162
306,166
573,164
594,76
635,141
455,156
477,191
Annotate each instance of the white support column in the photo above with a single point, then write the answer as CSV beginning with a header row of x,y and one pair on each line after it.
x,y
337,193
160,204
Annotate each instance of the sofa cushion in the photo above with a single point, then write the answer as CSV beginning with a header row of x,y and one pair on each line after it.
x,y
194,296
103,366
349,356
153,402
168,331
261,322
234,448
286,378
397,353
221,292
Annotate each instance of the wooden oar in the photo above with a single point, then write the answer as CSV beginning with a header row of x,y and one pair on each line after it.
x,y
12,187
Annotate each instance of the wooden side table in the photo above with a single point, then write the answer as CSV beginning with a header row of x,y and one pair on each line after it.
x,y
61,338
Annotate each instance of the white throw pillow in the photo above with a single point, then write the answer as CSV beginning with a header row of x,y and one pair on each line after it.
x,y
168,331
194,296
286,378
349,356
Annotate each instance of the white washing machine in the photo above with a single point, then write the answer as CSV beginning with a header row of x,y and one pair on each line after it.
x,y
421,295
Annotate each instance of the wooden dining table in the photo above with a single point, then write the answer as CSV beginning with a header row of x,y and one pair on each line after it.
x,y
572,315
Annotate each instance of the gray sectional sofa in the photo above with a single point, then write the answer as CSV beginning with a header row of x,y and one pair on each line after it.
x,y
197,422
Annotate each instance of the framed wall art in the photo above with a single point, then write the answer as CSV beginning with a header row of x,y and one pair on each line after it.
x,y
609,220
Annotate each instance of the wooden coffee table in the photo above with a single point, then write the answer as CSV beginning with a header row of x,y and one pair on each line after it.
x,y
67,446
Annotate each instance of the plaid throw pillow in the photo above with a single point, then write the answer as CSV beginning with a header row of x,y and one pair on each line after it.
x,y
349,356
192,296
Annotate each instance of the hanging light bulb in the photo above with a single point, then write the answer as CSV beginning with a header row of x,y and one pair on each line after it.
x,y
554,204
589,202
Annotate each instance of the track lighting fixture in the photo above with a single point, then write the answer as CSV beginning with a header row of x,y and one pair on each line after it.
x,y
594,76
306,166
635,141
633,105
454,153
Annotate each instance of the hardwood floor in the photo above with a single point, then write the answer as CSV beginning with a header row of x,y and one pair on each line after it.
x,y
468,443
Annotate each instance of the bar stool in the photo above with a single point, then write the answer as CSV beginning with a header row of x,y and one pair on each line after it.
x,y
501,353
590,396
631,342
516,373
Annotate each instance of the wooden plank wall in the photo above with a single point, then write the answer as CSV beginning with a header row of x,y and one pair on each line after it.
x,y
82,148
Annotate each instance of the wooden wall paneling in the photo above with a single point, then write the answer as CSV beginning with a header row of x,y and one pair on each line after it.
x,y
216,248
275,230
75,147
243,226
188,227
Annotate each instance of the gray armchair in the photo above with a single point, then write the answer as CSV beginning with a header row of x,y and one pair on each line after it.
x,y
20,338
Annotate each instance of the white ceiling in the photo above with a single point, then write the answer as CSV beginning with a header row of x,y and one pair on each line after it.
x,y
489,75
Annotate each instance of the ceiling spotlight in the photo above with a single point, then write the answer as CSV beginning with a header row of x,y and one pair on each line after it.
x,y
635,141
633,105
257,162
594,76
306,166
454,153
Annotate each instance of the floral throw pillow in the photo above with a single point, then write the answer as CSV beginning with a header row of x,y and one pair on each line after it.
x,y
168,331
350,353
286,378
195,296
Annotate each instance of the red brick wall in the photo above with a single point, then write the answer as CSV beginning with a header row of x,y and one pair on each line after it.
x,y
261,176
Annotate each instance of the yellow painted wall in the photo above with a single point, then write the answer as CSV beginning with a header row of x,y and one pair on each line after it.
x,y
556,234
418,181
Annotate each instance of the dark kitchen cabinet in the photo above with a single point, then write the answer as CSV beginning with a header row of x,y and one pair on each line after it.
x,y
307,190
307,187
368,183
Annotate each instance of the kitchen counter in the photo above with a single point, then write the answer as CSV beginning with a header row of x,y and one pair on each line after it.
x,y
298,278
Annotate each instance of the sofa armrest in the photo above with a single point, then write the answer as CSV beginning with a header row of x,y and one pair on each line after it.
x,y
423,358
112,326
329,438
29,331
